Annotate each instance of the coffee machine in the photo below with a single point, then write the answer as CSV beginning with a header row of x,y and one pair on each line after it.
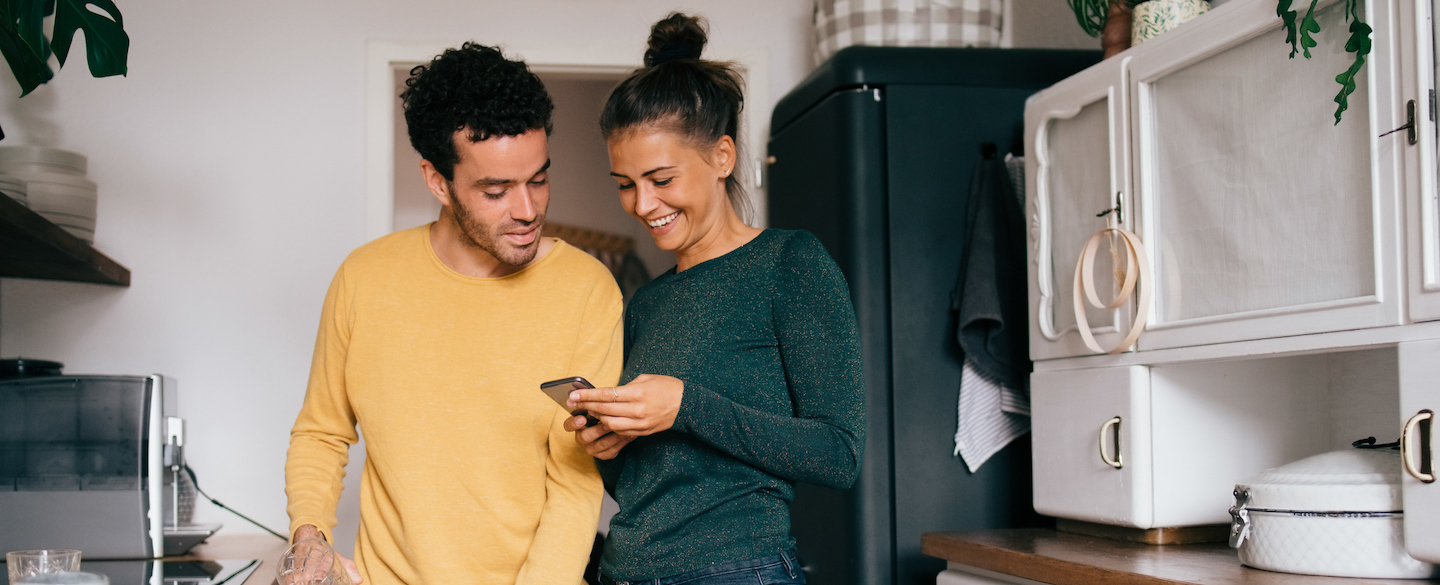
x,y
94,463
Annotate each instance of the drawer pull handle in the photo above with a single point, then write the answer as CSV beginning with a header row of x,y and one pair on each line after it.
x,y
1405,455
1119,460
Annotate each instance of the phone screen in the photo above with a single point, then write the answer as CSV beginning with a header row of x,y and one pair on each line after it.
x,y
559,391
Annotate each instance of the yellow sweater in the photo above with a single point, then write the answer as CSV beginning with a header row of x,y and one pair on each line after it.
x,y
469,476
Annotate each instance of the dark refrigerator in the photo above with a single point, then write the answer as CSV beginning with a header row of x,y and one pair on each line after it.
x,y
873,153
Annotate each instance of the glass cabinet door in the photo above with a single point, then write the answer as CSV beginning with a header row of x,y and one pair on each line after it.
x,y
1422,208
1263,217
1077,163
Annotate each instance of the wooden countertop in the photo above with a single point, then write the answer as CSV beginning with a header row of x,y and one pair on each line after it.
x,y
264,547
1070,559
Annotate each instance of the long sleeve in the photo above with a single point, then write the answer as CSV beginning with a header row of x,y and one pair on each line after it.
x,y
815,328
572,487
325,428
610,468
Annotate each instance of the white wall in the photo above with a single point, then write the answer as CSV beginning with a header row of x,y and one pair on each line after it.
x,y
1047,24
230,166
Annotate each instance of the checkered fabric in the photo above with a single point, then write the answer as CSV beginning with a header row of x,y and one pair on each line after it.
x,y
906,23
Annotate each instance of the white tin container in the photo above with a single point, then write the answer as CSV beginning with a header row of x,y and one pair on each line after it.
x,y
1337,514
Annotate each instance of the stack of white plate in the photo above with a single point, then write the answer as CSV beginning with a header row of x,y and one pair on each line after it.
x,y
55,186
14,188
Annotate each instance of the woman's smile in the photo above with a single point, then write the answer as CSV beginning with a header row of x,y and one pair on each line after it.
x,y
657,224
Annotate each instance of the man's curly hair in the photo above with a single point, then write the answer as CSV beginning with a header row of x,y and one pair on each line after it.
x,y
475,88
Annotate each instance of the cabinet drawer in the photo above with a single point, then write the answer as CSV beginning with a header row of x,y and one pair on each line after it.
x,y
1073,413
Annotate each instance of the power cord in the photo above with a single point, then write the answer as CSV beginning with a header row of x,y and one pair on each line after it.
x,y
191,473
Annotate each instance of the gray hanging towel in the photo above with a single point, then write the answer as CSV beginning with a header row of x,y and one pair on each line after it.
x,y
990,303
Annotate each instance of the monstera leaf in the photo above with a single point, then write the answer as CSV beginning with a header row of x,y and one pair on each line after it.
x,y
106,43
25,48
22,42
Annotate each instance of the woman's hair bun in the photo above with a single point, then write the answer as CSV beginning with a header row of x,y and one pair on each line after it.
x,y
676,37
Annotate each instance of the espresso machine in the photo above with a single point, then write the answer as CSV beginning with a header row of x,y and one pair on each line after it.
x,y
95,463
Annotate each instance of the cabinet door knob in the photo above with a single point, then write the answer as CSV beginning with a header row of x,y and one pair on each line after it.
x,y
1418,472
1119,460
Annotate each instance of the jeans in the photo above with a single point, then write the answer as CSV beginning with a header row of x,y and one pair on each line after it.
x,y
780,569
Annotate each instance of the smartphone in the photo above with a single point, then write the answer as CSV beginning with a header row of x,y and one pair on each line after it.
x,y
559,391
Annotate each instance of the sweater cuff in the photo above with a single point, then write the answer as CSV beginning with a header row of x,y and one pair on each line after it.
x,y
697,407
328,533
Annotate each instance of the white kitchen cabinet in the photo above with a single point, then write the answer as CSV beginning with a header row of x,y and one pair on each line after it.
x,y
1422,211
1262,216
1419,402
1081,164
1074,416
1295,263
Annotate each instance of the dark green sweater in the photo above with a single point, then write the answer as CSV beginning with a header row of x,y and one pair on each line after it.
x,y
765,340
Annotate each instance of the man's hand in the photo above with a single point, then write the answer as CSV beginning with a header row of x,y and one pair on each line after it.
x,y
598,440
645,406
307,531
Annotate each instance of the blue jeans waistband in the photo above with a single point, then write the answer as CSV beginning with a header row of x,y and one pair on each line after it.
x,y
784,558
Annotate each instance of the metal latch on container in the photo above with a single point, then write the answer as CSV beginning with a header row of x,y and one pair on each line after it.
x,y
1239,518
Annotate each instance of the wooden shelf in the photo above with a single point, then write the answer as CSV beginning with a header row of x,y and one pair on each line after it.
x,y
32,247
1054,557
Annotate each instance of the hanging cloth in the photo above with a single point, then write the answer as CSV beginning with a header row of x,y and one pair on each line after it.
x,y
990,301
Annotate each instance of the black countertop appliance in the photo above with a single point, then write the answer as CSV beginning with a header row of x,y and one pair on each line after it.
x,y
873,153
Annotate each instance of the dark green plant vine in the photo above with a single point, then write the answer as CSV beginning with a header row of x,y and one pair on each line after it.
x,y
1300,36
1092,14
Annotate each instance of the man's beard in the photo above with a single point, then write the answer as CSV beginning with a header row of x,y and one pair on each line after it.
x,y
491,239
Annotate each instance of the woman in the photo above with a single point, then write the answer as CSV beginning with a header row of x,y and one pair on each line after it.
x,y
742,364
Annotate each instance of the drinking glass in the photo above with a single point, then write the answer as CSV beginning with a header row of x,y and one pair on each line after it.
x,y
25,563
311,562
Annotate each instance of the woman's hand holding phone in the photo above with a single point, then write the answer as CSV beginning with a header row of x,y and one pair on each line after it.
x,y
598,440
645,406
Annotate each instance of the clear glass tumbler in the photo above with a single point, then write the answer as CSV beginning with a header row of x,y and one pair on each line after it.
x,y
311,562
25,563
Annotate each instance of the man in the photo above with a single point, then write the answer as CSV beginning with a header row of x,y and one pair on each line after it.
x,y
435,340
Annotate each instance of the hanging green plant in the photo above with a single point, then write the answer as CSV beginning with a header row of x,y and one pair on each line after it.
x,y
1299,33
27,50
1091,14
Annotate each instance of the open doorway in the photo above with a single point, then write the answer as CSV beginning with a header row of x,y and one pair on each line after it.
x,y
582,194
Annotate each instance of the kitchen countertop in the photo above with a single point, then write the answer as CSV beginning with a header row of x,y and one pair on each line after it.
x,y
264,547
1061,558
